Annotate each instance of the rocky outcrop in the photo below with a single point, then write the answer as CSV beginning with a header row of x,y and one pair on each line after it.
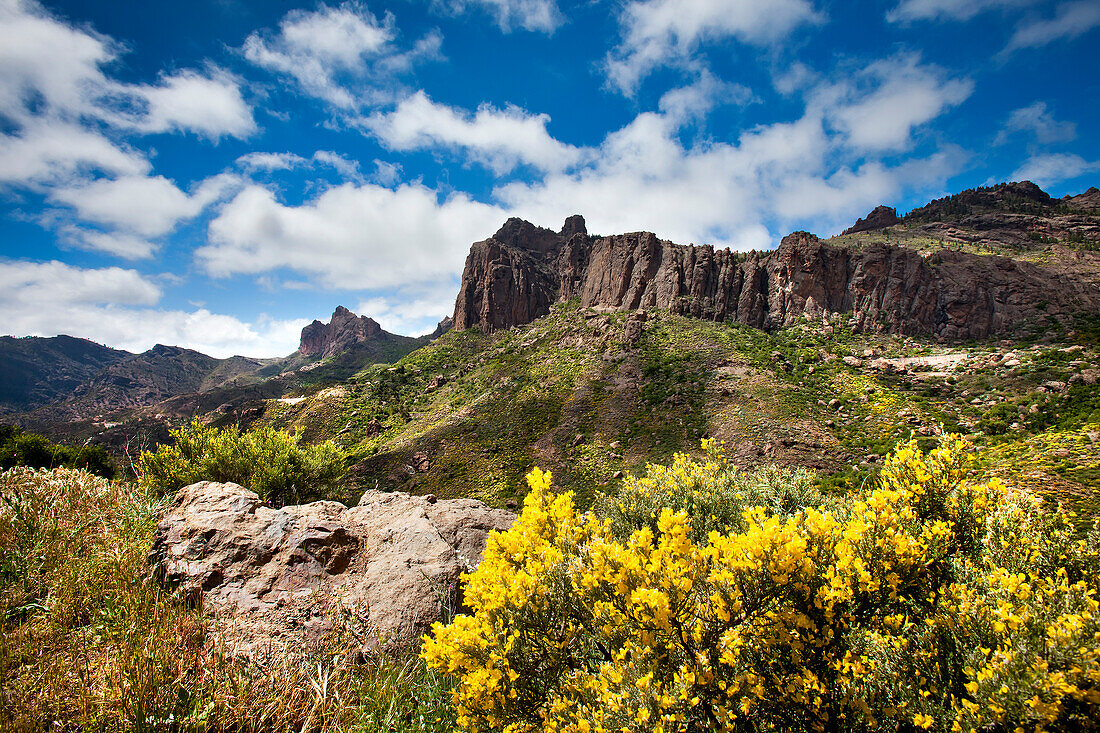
x,y
880,218
516,275
392,561
343,331
1088,201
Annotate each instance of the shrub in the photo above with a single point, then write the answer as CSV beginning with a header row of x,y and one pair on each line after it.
x,y
927,602
18,448
267,461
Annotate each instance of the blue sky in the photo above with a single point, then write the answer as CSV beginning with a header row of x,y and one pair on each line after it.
x,y
217,173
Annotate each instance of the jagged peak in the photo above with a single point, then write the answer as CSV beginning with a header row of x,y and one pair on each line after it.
x,y
343,330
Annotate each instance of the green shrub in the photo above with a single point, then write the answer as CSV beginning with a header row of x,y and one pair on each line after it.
x,y
267,461
18,448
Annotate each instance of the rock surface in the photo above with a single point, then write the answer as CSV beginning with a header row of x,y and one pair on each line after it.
x,y
517,274
391,562
343,331
880,218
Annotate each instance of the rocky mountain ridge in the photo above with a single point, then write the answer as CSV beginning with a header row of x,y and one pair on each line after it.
x,y
517,274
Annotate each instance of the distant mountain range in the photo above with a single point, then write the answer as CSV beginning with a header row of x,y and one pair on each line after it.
x,y
52,381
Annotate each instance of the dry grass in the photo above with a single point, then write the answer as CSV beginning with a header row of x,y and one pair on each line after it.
x,y
91,641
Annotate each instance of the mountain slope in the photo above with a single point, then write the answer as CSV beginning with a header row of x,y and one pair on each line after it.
x,y
589,395
36,371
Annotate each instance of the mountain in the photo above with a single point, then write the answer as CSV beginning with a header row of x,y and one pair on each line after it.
x,y
36,371
514,276
112,393
594,355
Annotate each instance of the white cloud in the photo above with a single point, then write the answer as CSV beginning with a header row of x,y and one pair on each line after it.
x,y
342,55
268,162
258,161
147,206
211,106
1037,120
349,237
667,32
409,314
44,58
126,246
47,285
112,306
908,11
880,105
1051,168
747,193
50,151
501,139
532,15
1071,19
696,100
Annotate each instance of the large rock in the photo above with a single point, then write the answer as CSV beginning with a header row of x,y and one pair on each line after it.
x,y
516,275
880,218
344,330
393,562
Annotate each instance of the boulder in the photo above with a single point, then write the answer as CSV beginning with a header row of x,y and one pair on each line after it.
x,y
393,562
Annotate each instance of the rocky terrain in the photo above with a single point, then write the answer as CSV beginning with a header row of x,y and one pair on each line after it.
x,y
391,562
513,277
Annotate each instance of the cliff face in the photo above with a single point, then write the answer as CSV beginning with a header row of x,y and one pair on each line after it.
x,y
514,277
343,331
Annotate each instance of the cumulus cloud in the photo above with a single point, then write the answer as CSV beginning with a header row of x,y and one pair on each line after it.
x,y
149,206
47,284
657,33
500,138
349,237
344,55
126,246
1048,169
879,106
532,15
908,11
53,151
114,306
411,314
696,100
1037,120
211,106
819,170
1071,19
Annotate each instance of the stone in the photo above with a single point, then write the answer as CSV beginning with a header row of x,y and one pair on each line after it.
x,y
392,559
634,327
853,361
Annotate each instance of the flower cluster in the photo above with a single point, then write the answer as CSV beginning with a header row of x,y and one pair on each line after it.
x,y
927,601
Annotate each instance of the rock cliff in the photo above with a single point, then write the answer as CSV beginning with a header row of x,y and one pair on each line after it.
x,y
343,331
514,276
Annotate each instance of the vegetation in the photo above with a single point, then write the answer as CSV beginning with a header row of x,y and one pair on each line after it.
x,y
18,448
929,601
91,642
270,462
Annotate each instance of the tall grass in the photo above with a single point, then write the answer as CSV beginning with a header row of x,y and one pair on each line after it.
x,y
92,642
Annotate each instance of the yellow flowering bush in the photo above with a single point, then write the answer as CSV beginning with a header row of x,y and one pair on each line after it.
x,y
926,602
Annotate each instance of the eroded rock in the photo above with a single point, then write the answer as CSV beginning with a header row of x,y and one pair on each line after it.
x,y
393,561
